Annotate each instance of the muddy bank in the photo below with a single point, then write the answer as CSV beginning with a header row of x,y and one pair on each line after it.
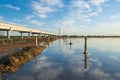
x,y
10,47
11,63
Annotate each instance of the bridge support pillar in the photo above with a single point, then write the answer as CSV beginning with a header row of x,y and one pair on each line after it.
x,y
54,37
28,35
39,35
44,36
8,34
48,37
32,35
21,35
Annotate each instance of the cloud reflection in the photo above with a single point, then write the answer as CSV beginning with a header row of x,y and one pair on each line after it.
x,y
115,58
96,61
71,62
117,75
49,73
98,74
43,70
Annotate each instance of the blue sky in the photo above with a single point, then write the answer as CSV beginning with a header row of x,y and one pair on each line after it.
x,y
76,17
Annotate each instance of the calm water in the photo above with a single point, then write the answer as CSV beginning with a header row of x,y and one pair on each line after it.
x,y
61,61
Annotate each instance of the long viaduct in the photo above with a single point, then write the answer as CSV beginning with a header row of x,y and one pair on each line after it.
x,y
12,27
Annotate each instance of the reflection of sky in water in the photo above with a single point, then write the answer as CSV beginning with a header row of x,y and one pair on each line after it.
x,y
58,62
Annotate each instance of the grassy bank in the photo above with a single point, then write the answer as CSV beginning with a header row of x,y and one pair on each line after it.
x,y
11,63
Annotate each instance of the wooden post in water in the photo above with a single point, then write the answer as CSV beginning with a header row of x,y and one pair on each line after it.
x,y
36,41
86,53
70,41
36,60
85,44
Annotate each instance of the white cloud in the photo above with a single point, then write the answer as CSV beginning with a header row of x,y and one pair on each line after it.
x,y
79,11
43,8
115,16
97,2
118,0
16,20
97,12
83,11
43,15
53,2
31,20
68,22
68,27
12,7
29,17
36,22
80,4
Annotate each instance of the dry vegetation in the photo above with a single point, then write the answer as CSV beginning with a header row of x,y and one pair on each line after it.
x,y
14,61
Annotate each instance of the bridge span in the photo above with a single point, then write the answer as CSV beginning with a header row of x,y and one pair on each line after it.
x,y
12,27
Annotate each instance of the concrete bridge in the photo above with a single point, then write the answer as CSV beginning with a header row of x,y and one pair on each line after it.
x,y
12,27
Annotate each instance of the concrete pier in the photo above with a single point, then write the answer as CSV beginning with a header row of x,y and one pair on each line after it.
x,y
39,35
29,35
8,34
21,35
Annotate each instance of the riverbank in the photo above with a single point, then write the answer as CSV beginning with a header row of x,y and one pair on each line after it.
x,y
10,47
11,63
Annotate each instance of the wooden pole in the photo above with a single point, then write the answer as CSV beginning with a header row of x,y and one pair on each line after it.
x,y
86,54
36,41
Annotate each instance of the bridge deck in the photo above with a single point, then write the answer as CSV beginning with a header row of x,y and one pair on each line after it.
x,y
13,27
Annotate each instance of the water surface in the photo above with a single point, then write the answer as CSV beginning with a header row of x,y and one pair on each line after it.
x,y
62,61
